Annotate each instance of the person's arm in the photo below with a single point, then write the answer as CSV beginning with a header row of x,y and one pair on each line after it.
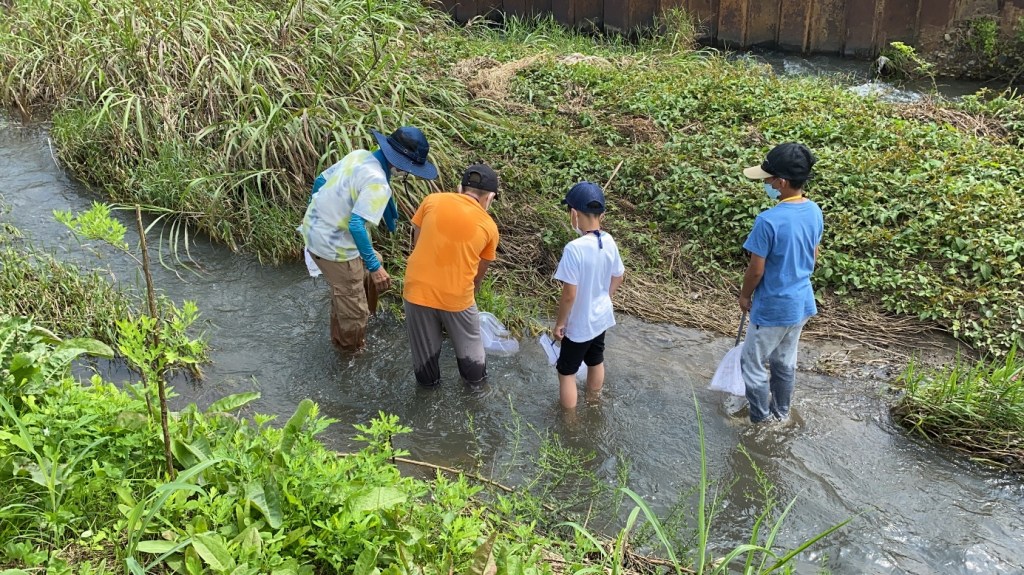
x,y
564,307
357,227
751,278
817,252
380,277
317,184
616,282
415,235
481,269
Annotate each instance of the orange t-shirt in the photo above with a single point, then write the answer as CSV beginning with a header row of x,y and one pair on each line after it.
x,y
455,234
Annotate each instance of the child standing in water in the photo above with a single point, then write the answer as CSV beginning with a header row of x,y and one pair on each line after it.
x,y
591,271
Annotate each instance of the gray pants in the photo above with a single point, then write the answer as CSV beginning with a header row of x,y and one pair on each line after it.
x,y
770,391
424,325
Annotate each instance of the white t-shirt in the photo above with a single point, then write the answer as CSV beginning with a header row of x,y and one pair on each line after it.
x,y
355,185
590,268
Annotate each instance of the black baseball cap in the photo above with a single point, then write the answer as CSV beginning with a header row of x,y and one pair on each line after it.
x,y
481,177
790,161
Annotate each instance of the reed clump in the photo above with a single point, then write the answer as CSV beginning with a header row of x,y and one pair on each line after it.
x,y
59,296
975,407
226,110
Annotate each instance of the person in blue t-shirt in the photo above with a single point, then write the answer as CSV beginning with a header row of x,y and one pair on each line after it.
x,y
777,290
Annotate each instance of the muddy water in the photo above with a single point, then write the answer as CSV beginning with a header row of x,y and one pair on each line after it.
x,y
916,508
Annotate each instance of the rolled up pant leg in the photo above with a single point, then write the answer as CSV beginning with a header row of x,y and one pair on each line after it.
x,y
464,329
424,327
348,301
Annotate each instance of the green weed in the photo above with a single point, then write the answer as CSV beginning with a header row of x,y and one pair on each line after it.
x,y
974,406
984,36
922,211
59,296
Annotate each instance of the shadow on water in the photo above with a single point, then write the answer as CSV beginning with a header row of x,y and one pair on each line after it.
x,y
919,509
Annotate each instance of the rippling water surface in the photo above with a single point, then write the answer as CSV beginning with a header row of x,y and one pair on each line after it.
x,y
916,508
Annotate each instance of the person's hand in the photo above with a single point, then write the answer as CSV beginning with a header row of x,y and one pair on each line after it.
x,y
381,279
745,304
559,332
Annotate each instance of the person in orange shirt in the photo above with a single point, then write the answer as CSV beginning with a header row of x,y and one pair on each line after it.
x,y
454,241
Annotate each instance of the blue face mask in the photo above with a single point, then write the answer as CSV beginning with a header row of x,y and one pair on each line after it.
x,y
772,192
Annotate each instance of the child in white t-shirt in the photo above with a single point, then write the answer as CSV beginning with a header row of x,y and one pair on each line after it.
x,y
590,271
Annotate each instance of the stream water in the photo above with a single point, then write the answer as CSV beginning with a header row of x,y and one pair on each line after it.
x,y
916,507
860,76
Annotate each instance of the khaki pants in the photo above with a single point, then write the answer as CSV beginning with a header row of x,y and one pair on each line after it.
x,y
353,299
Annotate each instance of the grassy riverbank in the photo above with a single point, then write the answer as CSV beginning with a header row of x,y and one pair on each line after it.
x,y
58,295
224,111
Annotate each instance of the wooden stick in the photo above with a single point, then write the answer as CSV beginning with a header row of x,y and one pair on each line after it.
x,y
454,471
612,177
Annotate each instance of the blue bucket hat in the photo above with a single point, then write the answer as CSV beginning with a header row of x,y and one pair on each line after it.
x,y
406,149
585,197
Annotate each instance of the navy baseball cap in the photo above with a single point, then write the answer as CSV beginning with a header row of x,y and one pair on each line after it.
x,y
585,197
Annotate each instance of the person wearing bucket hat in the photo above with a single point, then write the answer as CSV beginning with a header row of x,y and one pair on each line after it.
x,y
591,271
348,199
454,242
777,291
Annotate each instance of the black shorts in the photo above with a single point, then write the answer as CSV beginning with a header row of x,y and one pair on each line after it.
x,y
573,353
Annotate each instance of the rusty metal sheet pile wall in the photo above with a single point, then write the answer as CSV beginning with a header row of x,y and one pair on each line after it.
x,y
852,27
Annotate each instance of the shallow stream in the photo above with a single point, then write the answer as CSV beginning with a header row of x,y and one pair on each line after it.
x,y
916,508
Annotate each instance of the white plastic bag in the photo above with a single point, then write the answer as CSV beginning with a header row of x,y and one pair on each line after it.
x,y
497,339
549,347
552,349
311,267
728,377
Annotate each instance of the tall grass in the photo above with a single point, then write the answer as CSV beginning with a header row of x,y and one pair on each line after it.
x,y
975,407
59,296
226,110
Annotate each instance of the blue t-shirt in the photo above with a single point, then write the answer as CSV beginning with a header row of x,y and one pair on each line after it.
x,y
786,237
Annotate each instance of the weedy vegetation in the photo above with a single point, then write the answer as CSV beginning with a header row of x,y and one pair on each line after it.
x,y
976,407
224,111
85,490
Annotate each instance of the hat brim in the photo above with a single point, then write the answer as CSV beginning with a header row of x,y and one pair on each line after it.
x,y
756,173
426,170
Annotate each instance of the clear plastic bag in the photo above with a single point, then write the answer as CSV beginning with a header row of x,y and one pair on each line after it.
x,y
497,340
728,377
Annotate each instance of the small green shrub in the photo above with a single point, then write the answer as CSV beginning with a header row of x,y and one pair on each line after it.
x,y
984,36
902,60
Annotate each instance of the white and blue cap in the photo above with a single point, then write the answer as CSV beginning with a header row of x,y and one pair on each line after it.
x,y
585,197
